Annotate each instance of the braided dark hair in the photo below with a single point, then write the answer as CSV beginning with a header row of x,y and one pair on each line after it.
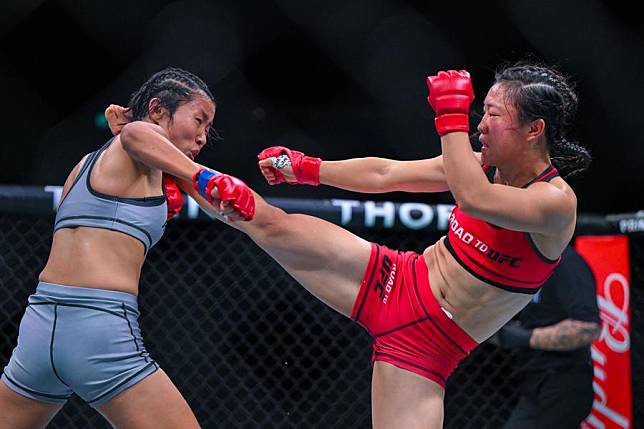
x,y
173,87
541,92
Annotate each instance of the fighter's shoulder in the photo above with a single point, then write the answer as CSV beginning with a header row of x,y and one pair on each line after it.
x,y
564,188
556,188
79,165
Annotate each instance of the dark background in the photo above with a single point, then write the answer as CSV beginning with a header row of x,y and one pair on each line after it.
x,y
335,79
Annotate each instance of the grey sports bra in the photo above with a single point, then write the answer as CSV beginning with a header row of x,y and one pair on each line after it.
x,y
141,218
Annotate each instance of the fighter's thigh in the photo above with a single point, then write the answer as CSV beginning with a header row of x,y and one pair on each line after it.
x,y
402,399
20,412
326,259
153,403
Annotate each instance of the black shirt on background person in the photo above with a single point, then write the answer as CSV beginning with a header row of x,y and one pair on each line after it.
x,y
553,339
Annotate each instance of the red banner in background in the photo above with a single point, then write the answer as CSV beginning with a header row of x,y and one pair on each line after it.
x,y
609,260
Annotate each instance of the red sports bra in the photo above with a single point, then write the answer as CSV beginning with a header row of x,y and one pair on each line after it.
x,y
501,257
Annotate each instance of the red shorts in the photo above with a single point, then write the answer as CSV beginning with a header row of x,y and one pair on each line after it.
x,y
411,330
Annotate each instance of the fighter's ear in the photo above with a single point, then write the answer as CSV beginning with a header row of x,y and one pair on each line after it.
x,y
156,110
536,129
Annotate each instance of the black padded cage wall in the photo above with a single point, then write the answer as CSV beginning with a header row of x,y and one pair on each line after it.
x,y
249,348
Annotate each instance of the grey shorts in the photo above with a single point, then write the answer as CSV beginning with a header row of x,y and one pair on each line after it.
x,y
78,340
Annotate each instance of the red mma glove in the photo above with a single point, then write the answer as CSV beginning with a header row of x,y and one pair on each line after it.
x,y
305,168
450,95
173,195
230,189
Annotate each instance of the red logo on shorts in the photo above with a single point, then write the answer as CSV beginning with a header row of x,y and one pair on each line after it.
x,y
386,282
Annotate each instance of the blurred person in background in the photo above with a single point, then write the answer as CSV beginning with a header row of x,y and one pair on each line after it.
x,y
553,342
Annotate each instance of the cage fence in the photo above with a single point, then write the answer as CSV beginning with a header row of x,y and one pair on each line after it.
x,y
249,348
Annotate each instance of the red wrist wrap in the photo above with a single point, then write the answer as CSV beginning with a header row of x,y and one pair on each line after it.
x,y
451,122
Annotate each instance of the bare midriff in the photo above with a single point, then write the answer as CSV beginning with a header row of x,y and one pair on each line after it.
x,y
479,308
94,258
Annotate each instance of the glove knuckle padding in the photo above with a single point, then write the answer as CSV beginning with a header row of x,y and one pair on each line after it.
x,y
450,95
305,168
238,194
272,151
